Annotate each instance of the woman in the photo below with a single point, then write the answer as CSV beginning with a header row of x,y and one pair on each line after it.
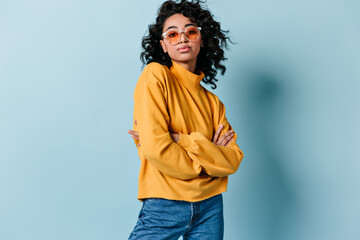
x,y
187,147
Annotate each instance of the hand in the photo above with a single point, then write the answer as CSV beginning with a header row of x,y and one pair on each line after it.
x,y
135,134
225,139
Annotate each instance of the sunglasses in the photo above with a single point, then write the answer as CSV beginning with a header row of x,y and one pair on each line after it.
x,y
172,36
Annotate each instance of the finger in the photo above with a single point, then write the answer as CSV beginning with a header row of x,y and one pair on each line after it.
x,y
131,132
135,137
224,136
217,133
227,140
136,133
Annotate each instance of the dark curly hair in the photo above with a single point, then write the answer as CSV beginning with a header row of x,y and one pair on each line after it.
x,y
214,38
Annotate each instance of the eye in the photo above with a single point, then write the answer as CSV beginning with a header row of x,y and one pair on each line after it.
x,y
172,34
192,31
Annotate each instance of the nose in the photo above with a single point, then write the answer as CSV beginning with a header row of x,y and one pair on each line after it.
x,y
183,37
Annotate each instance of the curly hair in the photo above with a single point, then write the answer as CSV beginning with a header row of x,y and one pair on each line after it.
x,y
214,38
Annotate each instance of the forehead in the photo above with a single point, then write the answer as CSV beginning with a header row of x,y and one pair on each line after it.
x,y
177,20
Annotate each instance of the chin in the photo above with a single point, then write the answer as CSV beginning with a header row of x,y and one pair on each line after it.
x,y
184,58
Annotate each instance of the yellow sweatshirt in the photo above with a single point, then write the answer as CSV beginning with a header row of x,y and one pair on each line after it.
x,y
193,169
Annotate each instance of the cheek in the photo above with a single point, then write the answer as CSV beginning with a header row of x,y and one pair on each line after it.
x,y
197,47
171,52
163,46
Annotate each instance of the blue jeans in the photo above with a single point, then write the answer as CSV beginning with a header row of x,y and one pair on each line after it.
x,y
169,219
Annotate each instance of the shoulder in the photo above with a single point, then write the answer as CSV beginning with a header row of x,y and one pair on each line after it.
x,y
213,99
155,67
154,76
154,72
217,107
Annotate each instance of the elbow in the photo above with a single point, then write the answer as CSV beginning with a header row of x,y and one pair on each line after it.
x,y
230,169
237,162
222,172
233,168
234,164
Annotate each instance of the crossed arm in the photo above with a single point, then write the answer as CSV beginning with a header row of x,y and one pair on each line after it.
x,y
178,155
219,159
224,140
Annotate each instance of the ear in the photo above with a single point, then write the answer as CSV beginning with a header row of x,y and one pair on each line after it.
x,y
201,43
163,46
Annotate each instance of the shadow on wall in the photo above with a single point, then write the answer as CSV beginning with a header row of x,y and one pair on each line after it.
x,y
270,202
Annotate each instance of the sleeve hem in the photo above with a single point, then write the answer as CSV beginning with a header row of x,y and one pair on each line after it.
x,y
186,141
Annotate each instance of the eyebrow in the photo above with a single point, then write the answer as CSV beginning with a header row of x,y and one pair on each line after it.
x,y
189,24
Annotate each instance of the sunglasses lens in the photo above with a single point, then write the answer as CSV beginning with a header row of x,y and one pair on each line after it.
x,y
192,33
173,37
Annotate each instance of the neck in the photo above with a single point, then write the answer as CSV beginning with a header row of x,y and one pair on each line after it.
x,y
190,66
188,79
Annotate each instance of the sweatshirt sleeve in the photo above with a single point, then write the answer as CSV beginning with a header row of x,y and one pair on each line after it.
x,y
156,144
217,161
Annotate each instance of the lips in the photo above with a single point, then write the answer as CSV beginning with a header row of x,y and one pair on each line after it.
x,y
184,49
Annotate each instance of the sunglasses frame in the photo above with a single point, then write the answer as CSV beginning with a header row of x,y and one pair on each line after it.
x,y
180,32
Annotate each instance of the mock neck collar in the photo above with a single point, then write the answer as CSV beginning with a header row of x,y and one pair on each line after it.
x,y
186,78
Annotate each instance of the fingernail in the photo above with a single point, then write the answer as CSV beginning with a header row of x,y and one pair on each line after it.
x,y
221,125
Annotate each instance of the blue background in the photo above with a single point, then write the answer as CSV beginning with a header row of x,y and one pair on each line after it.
x,y
68,168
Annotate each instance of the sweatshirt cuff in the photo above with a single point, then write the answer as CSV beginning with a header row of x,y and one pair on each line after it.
x,y
186,141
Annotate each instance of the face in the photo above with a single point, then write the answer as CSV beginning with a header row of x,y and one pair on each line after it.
x,y
184,52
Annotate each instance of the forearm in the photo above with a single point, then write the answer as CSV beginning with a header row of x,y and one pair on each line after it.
x,y
169,158
217,161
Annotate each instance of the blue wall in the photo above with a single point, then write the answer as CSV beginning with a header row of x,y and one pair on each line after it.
x,y
68,169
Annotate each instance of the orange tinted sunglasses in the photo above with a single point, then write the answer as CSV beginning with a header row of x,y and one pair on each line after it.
x,y
172,36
